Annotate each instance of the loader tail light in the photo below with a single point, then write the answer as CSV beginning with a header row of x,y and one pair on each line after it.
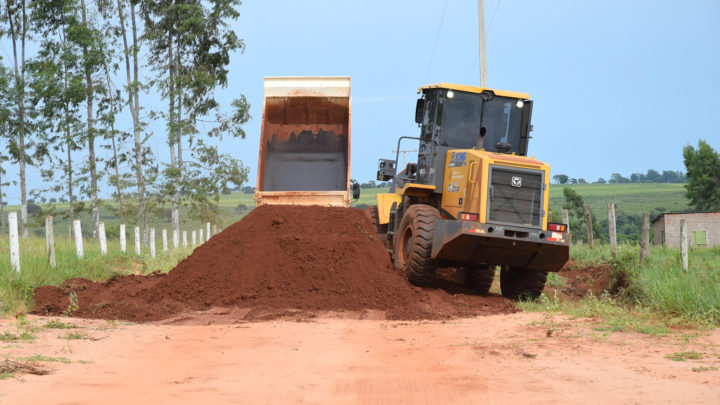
x,y
557,227
465,216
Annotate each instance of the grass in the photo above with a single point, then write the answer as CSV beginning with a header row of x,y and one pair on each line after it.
x,y
655,296
682,356
57,324
40,358
16,289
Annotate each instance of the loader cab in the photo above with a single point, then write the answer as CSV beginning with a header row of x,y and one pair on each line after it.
x,y
467,117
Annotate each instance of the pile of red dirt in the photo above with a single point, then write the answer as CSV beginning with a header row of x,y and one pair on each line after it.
x,y
277,258
583,280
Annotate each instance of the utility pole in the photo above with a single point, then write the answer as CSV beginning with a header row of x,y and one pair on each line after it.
x,y
404,152
481,32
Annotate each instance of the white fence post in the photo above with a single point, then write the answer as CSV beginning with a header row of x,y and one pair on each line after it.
x,y
185,244
137,240
194,238
176,238
165,244
684,244
207,230
123,241
215,229
77,230
50,240
101,236
202,239
152,242
14,241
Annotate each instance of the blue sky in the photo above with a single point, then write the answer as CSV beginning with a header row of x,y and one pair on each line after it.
x,y
619,86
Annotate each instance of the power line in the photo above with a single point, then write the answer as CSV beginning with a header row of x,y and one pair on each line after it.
x,y
437,37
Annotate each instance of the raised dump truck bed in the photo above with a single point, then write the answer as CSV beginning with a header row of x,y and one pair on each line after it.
x,y
305,142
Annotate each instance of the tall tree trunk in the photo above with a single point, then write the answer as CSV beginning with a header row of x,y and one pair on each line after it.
x,y
114,147
178,141
134,104
20,88
68,140
2,206
90,91
173,135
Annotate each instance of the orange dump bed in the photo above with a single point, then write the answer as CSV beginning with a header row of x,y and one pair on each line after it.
x,y
305,142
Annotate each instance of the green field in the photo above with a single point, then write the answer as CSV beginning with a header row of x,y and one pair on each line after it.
x,y
630,199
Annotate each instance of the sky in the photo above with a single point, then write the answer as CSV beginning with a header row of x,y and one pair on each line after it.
x,y
618,86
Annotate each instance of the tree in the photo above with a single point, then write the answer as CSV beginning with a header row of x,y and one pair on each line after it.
x,y
575,205
56,83
618,178
18,29
189,48
133,86
600,180
560,178
572,180
703,175
582,181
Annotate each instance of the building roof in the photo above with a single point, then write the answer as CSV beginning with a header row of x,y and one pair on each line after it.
x,y
681,213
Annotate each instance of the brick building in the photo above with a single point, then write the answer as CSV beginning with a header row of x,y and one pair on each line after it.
x,y
703,229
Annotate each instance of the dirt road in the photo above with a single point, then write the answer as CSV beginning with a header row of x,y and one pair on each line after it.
x,y
496,359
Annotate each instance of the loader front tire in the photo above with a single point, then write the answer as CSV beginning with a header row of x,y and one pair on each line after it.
x,y
413,244
371,213
518,283
480,278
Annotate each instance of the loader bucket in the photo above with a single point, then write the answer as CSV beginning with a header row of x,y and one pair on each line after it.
x,y
305,142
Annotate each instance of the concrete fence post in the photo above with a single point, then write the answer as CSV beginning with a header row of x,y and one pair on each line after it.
x,y
77,231
612,229
588,223
645,239
101,236
14,241
137,240
165,241
207,231
194,238
202,239
176,238
152,242
50,240
185,241
123,241
684,244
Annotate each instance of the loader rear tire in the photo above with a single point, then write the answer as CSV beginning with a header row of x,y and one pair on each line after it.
x,y
381,230
480,278
518,283
413,244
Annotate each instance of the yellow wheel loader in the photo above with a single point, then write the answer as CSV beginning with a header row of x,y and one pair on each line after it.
x,y
473,200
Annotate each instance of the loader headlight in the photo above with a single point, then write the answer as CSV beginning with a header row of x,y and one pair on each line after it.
x,y
519,104
450,94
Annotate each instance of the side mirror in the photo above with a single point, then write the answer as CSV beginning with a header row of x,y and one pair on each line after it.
x,y
419,110
355,187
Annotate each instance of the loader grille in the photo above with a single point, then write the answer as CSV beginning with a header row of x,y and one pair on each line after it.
x,y
515,196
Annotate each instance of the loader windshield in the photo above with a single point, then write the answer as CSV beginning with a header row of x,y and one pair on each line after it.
x,y
465,116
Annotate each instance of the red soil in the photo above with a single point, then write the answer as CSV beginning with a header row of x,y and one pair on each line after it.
x,y
277,259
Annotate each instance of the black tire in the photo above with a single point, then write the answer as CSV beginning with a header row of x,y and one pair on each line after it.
x,y
372,213
518,283
480,278
413,244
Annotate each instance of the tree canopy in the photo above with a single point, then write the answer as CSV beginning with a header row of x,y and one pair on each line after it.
x,y
703,174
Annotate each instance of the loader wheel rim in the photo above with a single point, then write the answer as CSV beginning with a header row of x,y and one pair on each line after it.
x,y
405,245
